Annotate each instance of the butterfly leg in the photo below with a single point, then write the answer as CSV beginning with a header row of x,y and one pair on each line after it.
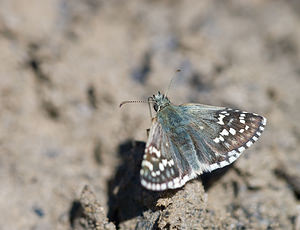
x,y
150,99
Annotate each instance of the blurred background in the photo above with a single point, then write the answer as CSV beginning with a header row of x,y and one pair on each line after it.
x,y
66,65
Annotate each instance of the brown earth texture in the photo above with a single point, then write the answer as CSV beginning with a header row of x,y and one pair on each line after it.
x,y
70,157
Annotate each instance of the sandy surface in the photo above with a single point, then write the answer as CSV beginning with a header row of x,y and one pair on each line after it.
x,y
66,66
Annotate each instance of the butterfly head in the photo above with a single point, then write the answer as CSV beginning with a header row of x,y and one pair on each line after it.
x,y
160,101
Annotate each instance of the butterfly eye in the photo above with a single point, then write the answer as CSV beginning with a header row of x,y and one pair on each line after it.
x,y
155,106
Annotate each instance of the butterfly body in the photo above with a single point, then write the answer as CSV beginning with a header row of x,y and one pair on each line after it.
x,y
190,139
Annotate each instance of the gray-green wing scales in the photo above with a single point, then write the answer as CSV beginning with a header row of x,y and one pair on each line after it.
x,y
190,139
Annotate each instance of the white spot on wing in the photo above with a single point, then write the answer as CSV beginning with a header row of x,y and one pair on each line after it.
x,y
220,122
232,131
232,153
232,159
164,161
241,149
216,140
156,151
161,167
144,183
258,133
176,182
142,171
249,143
153,186
221,119
223,163
147,164
224,132
213,166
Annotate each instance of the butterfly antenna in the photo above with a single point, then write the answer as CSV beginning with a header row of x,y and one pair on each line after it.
x,y
175,75
127,102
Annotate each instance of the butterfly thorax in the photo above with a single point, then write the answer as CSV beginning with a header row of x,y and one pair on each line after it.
x,y
160,101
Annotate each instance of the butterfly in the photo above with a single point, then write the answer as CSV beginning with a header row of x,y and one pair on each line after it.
x,y
190,139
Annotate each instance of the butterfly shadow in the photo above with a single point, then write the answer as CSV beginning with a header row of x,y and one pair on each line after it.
x,y
127,197
211,178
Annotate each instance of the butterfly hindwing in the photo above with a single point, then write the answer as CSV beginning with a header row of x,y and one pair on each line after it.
x,y
160,168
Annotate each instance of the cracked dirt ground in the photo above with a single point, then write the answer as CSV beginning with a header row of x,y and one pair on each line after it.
x,y
65,67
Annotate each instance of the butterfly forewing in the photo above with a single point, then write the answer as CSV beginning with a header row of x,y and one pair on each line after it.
x,y
223,135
